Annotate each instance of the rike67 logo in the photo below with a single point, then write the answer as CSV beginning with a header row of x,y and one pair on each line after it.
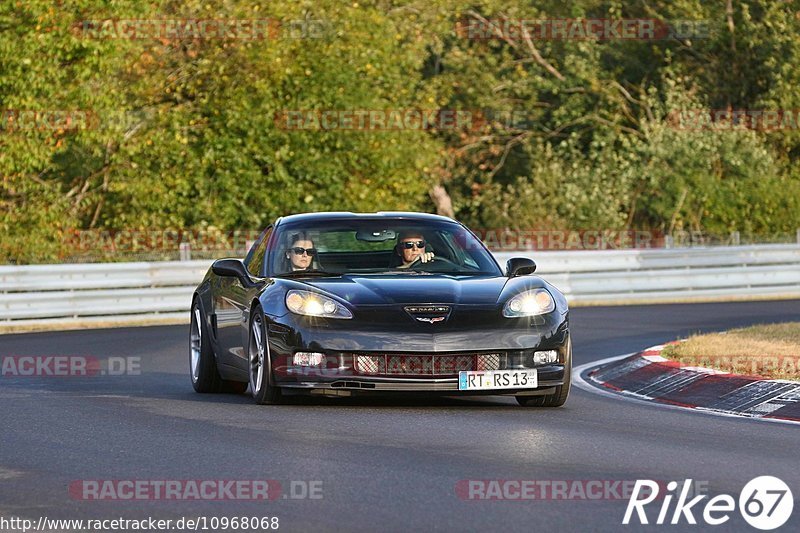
x,y
765,503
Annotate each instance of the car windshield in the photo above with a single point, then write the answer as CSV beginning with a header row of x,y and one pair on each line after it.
x,y
378,246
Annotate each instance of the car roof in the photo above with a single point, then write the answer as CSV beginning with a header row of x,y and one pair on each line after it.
x,y
344,215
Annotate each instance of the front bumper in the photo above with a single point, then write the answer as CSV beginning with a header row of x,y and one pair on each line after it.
x,y
446,386
431,357
343,377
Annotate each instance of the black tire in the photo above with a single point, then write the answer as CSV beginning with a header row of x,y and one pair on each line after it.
x,y
559,396
202,363
259,363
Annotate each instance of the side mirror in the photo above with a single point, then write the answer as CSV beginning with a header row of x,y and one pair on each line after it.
x,y
233,268
520,266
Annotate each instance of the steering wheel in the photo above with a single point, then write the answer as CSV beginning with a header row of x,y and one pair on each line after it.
x,y
436,259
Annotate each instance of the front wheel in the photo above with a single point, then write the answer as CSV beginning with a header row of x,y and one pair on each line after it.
x,y
262,388
559,396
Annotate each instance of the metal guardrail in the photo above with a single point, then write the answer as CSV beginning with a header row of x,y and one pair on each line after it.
x,y
643,276
42,293
74,291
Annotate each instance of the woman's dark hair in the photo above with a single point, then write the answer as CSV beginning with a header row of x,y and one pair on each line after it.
x,y
286,263
299,236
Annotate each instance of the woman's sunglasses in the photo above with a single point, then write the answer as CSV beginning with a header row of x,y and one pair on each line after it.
x,y
300,251
410,244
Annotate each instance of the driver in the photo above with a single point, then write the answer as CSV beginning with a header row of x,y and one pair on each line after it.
x,y
300,254
410,247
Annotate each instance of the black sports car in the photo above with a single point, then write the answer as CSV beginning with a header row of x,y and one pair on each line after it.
x,y
344,303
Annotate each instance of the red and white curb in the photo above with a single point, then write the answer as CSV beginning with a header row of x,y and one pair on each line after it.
x,y
649,377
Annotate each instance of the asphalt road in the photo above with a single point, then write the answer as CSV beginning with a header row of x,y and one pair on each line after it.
x,y
385,465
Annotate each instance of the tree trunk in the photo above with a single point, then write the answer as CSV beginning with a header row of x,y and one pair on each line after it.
x,y
442,201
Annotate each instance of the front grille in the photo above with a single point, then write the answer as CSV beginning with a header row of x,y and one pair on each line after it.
x,y
423,364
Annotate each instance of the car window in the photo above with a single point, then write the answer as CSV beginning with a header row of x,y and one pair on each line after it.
x,y
370,247
256,256
346,241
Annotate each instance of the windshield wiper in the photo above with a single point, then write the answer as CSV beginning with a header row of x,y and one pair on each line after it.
x,y
304,273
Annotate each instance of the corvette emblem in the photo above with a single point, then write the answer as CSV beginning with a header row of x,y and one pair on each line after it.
x,y
429,313
431,319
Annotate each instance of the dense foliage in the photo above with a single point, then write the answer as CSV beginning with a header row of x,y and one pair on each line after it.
x,y
186,132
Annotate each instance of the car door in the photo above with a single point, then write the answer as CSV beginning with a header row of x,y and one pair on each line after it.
x,y
231,306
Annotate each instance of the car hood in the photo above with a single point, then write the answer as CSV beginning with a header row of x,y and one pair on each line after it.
x,y
405,289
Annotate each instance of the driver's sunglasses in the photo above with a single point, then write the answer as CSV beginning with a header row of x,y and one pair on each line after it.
x,y
410,244
300,251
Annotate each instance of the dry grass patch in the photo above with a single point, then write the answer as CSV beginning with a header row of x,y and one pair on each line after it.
x,y
771,350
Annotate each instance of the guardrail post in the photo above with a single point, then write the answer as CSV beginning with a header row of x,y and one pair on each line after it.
x,y
186,251
735,239
669,242
798,235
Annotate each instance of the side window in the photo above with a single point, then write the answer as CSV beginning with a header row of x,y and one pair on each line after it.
x,y
255,259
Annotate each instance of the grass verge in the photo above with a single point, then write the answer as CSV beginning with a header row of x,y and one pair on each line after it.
x,y
770,350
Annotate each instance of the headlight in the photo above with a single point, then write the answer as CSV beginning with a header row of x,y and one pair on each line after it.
x,y
314,304
544,357
529,303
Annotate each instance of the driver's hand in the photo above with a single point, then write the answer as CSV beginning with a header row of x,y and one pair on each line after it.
x,y
427,256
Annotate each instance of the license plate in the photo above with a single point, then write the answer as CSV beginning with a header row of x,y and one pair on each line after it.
x,y
497,379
